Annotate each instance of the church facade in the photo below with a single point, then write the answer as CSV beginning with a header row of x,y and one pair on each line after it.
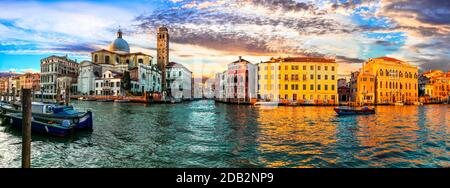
x,y
118,59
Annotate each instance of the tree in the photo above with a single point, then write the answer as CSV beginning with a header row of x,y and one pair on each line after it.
x,y
126,81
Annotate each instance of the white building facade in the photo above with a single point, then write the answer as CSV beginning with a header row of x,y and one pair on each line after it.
x,y
89,71
146,78
179,81
109,84
55,67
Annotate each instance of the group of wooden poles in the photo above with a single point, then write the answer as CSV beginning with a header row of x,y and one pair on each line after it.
x,y
26,98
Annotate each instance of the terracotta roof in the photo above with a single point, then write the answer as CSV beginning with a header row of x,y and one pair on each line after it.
x,y
308,59
390,59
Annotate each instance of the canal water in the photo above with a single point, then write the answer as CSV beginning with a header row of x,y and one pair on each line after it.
x,y
208,134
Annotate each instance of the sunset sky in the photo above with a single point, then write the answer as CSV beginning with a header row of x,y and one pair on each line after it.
x,y
208,34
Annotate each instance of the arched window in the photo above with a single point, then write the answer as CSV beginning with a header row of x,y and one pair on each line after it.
x,y
107,59
381,72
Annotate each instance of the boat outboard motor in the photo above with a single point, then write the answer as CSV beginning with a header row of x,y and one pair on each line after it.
x,y
49,109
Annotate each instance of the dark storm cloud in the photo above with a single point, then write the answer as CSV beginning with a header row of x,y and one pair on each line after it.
x,y
427,11
233,37
441,63
286,5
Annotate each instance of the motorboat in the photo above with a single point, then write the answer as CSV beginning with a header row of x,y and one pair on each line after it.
x,y
399,103
54,127
81,120
121,100
354,111
267,103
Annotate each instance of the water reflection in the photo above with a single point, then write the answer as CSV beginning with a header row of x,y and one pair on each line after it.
x,y
208,134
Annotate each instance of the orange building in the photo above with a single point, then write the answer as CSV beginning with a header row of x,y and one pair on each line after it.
x,y
366,88
395,80
30,81
437,86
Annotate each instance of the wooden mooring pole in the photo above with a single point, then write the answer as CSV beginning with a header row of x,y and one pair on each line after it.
x,y
26,128
13,96
67,99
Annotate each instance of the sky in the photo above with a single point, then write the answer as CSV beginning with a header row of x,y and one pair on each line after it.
x,y
206,35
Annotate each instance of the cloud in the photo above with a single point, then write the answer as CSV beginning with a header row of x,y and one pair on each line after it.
x,y
258,28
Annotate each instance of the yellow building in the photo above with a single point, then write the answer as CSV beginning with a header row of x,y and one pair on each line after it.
x,y
395,80
437,87
365,88
299,79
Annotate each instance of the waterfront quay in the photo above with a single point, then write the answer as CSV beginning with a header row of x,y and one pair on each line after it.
x,y
207,134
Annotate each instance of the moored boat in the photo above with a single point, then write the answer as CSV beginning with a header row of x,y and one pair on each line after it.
x,y
52,127
81,120
121,100
86,99
267,103
354,111
105,100
399,103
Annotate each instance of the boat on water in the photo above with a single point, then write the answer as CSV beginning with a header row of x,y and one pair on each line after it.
x,y
399,103
54,127
354,111
267,103
86,99
81,120
121,100
105,100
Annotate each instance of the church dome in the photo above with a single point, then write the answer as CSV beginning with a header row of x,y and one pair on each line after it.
x,y
119,44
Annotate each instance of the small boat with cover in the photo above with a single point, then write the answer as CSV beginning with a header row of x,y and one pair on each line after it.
x,y
81,120
354,111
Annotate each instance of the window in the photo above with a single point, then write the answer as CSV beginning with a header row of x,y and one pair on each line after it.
x,y
326,68
286,67
140,61
286,87
318,87
318,67
311,76
311,87
326,87
304,88
117,59
332,87
95,58
96,84
271,68
107,59
318,77
332,68
304,67
265,67
326,77
265,76
332,77
179,73
286,77
117,84
311,67
304,77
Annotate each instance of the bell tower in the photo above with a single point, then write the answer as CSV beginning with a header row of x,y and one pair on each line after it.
x,y
162,53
